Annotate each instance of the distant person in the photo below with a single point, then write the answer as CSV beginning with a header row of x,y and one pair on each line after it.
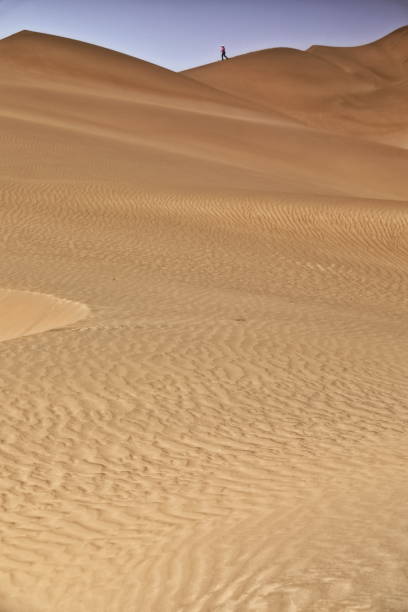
x,y
223,53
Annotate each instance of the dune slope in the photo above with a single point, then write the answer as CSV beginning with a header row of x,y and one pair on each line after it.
x,y
217,421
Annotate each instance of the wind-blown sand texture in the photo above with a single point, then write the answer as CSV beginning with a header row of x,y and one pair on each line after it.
x,y
217,420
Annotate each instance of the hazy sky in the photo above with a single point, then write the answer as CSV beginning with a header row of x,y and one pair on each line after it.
x,y
179,34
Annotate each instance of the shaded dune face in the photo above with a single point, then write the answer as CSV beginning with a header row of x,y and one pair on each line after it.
x,y
339,89
23,313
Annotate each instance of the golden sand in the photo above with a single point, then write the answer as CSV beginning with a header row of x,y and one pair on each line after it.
x,y
203,294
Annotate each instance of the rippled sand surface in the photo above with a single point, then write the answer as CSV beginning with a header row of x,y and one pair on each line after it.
x,y
203,350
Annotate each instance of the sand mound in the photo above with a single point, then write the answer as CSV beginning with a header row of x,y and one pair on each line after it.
x,y
23,313
227,431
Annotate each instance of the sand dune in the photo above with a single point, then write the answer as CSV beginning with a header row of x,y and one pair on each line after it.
x,y
357,90
139,132
217,421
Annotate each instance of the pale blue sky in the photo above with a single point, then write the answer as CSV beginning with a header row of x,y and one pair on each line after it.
x,y
178,34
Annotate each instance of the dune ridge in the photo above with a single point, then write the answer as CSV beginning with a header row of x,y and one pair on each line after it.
x,y
219,424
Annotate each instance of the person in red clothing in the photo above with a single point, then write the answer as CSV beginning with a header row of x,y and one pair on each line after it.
x,y
223,53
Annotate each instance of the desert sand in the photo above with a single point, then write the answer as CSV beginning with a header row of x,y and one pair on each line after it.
x,y
203,347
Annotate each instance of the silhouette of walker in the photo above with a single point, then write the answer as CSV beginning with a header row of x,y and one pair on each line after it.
x,y
223,53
